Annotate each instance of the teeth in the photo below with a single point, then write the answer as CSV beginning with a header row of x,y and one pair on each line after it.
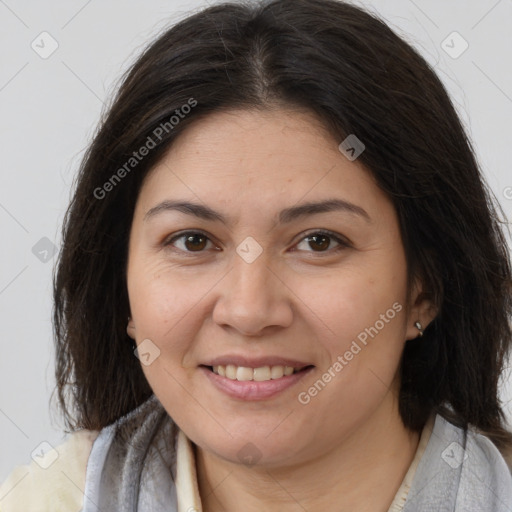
x,y
244,373
258,374
262,373
276,372
230,371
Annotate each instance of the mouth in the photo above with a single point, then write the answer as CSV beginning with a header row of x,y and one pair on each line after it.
x,y
253,383
259,374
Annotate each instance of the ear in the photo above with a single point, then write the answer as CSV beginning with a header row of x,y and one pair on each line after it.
x,y
130,328
421,309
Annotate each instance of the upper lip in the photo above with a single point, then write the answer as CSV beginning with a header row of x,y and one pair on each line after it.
x,y
255,362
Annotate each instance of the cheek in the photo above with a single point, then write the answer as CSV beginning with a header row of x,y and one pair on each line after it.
x,y
361,315
348,302
162,304
161,297
168,308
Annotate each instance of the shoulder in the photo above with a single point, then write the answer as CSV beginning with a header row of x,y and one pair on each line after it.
x,y
486,455
485,478
55,483
471,444
488,452
478,450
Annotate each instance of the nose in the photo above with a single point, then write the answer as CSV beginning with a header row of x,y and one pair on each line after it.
x,y
253,298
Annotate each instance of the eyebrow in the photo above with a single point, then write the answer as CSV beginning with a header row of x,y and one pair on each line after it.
x,y
285,216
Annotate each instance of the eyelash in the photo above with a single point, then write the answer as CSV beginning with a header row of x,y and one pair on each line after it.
x,y
343,244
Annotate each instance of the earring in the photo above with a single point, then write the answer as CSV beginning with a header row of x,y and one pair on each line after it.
x,y
419,327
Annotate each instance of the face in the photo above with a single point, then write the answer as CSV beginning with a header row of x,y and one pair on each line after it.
x,y
244,284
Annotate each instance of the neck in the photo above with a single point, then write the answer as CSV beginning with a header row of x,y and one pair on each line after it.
x,y
363,472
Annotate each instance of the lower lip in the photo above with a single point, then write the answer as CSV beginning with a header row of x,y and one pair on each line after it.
x,y
254,390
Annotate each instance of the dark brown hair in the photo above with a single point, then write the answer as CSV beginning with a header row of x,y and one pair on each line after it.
x,y
351,70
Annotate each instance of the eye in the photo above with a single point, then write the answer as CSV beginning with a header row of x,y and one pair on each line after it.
x,y
197,242
322,239
190,241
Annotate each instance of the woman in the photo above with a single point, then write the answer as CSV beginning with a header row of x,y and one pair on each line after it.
x,y
283,212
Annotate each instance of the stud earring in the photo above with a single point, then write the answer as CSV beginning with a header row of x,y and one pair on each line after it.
x,y
419,327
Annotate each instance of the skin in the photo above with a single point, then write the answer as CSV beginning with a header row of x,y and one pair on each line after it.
x,y
345,450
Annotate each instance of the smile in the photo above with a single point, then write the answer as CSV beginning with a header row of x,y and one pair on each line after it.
x,y
261,374
252,384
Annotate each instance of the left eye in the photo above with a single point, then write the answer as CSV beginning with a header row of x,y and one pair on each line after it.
x,y
196,241
322,240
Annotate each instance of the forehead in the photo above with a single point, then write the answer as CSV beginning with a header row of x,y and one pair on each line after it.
x,y
255,159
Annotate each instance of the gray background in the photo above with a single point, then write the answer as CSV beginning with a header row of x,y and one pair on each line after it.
x,y
49,108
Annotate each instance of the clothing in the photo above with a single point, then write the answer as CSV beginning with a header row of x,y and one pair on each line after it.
x,y
450,471
59,488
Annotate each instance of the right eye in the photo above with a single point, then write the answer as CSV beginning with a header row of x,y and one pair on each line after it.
x,y
190,241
